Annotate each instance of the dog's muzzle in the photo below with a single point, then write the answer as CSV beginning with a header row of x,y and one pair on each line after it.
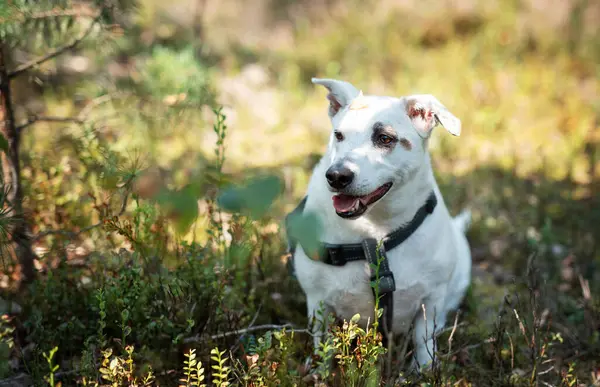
x,y
339,176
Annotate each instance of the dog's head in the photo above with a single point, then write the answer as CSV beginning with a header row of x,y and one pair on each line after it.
x,y
377,143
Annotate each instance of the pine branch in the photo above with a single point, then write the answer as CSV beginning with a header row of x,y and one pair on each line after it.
x,y
79,11
82,12
34,119
197,339
75,234
37,61
79,119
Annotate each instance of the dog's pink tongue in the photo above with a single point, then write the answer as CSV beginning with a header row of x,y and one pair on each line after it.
x,y
343,203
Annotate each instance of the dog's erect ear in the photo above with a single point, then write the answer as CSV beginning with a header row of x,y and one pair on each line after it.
x,y
341,93
426,112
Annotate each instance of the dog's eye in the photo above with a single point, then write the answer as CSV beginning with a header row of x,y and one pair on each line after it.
x,y
384,139
338,136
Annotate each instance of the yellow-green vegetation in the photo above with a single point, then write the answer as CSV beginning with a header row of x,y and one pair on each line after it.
x,y
160,155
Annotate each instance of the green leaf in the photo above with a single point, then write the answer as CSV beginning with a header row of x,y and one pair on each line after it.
x,y
254,198
181,205
306,229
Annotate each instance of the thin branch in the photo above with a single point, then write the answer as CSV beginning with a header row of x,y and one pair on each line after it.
x,y
197,339
545,372
79,12
469,347
249,325
75,234
19,380
85,112
255,315
79,119
34,119
37,61
453,330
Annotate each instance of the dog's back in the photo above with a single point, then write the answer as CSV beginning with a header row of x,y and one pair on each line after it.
x,y
462,221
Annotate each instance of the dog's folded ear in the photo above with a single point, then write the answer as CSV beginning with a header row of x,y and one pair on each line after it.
x,y
426,112
341,93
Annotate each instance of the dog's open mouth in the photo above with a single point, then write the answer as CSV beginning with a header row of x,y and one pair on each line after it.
x,y
352,207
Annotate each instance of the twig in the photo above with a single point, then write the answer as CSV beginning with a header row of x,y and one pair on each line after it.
x,y
249,325
522,328
469,347
585,288
75,234
77,11
19,380
512,352
37,61
255,315
84,113
34,119
81,12
198,339
452,333
79,119
545,372
388,363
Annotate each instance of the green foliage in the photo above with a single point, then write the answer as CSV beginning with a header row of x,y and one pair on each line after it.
x,y
182,205
358,363
193,371
120,370
41,25
306,230
52,368
7,222
254,198
6,344
176,77
220,371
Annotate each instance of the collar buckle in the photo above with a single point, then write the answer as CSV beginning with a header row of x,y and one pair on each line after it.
x,y
333,255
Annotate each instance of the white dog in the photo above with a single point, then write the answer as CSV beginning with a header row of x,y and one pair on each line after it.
x,y
373,179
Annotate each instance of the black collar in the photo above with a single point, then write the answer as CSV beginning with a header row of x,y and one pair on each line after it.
x,y
340,254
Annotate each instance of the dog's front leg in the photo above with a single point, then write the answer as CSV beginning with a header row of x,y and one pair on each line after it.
x,y
318,319
430,320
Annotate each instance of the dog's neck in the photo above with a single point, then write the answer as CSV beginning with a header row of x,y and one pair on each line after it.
x,y
394,211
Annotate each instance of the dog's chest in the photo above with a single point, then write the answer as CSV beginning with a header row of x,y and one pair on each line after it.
x,y
347,290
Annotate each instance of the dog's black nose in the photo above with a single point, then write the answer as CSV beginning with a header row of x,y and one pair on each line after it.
x,y
339,177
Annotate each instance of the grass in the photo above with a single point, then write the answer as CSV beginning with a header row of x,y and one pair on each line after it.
x,y
183,281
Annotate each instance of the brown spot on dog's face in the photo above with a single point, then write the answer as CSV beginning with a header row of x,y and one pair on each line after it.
x,y
405,144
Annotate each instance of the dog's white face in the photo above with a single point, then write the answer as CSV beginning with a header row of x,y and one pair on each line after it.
x,y
377,143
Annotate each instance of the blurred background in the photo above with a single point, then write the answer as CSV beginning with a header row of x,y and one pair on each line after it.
x,y
183,131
